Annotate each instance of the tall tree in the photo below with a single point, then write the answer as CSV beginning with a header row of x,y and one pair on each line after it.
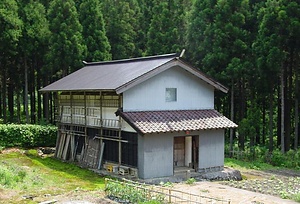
x,y
10,32
31,48
165,34
217,40
67,49
120,21
276,46
94,33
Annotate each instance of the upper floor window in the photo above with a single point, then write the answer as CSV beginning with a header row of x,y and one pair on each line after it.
x,y
171,94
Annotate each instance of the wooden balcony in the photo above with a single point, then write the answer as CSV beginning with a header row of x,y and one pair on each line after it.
x,y
89,117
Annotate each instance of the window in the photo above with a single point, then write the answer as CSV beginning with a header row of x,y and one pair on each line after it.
x,y
171,94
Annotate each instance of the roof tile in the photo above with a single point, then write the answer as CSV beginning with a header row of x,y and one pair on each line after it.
x,y
176,120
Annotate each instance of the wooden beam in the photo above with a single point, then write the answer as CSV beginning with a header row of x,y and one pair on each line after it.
x,y
111,139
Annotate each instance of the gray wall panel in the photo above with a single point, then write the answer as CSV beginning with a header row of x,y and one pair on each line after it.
x,y
155,156
211,150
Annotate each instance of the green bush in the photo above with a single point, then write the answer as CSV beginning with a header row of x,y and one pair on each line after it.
x,y
12,135
290,159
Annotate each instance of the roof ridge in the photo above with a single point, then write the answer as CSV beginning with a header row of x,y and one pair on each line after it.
x,y
132,59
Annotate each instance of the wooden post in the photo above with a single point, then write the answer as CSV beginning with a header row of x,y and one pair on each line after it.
x,y
85,111
101,154
101,112
71,108
120,129
59,125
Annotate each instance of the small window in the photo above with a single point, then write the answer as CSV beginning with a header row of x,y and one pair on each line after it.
x,y
171,94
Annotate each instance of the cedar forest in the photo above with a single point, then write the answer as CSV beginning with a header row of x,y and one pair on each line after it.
x,y
250,46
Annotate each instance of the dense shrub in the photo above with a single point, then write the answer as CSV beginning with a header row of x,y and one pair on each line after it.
x,y
290,159
12,135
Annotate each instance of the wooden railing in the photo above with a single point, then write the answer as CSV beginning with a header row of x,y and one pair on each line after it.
x,y
168,195
89,117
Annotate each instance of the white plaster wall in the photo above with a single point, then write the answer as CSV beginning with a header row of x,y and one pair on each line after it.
x,y
192,93
211,148
127,127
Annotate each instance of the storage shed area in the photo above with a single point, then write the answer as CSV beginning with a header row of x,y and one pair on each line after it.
x,y
90,133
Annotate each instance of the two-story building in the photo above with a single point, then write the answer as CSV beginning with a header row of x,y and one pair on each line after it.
x,y
152,114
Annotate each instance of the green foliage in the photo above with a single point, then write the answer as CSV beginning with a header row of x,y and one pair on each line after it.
x,y
94,33
120,23
27,135
239,164
67,48
127,192
260,158
10,30
36,28
290,159
217,37
162,27
11,175
166,184
190,181
296,197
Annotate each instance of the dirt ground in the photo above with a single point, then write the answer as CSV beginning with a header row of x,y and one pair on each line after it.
x,y
236,196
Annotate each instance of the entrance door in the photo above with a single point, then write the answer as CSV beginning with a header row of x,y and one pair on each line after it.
x,y
185,151
179,147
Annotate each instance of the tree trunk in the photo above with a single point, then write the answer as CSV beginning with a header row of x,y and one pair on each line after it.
x,y
296,122
18,107
26,91
271,120
278,115
51,108
1,109
39,97
282,82
288,104
4,94
10,98
264,123
231,118
32,104
46,106
32,94
296,109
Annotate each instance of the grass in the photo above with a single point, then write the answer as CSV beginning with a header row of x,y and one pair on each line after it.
x,y
25,173
244,165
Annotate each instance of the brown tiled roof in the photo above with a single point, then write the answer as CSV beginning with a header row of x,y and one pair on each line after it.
x,y
176,120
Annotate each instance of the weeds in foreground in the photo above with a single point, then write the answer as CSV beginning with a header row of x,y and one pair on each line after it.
x,y
190,181
12,176
26,173
129,193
